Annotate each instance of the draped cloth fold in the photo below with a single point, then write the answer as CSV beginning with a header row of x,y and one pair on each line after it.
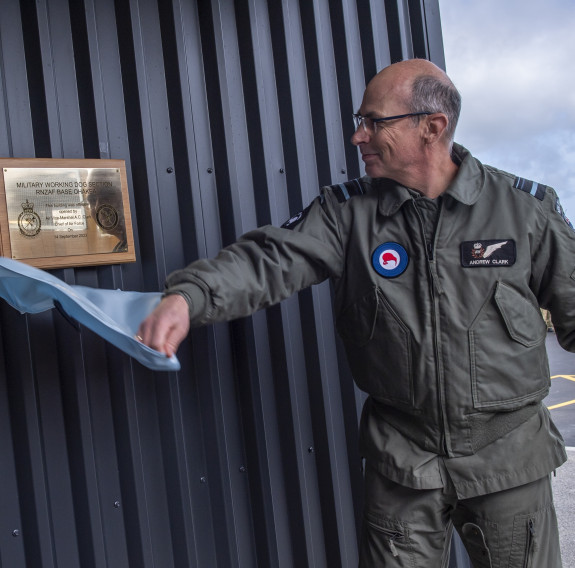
x,y
114,315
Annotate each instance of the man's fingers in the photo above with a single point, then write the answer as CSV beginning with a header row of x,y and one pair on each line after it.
x,y
173,339
167,326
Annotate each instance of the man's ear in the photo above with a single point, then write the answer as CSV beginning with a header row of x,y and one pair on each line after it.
x,y
435,126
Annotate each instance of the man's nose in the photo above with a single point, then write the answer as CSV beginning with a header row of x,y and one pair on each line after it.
x,y
360,136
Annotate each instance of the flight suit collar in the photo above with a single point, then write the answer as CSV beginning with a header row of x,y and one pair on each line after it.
x,y
392,195
470,179
465,188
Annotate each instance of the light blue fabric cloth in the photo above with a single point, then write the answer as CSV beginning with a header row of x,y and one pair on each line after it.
x,y
115,315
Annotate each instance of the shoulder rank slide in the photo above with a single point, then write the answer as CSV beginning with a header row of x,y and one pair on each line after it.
x,y
532,187
343,191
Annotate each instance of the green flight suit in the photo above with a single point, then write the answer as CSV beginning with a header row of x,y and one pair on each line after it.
x,y
437,303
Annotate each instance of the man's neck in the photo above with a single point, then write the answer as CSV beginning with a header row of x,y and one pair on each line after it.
x,y
434,176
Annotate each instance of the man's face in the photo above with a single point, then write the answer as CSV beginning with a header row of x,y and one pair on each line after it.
x,y
389,149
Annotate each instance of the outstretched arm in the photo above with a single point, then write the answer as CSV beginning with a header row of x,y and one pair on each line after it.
x,y
262,268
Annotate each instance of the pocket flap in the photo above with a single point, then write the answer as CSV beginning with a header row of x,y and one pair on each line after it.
x,y
522,319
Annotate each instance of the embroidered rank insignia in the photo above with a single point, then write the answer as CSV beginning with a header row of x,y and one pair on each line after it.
x,y
535,189
389,260
493,252
346,190
559,209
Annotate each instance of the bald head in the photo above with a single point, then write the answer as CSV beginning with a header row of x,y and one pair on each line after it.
x,y
410,68
422,87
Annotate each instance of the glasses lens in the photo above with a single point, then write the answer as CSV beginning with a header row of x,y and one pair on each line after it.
x,y
366,123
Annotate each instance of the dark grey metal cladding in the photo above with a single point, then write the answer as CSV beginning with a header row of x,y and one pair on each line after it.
x,y
229,114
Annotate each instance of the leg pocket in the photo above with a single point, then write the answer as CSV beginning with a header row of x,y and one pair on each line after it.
x,y
385,542
535,540
402,526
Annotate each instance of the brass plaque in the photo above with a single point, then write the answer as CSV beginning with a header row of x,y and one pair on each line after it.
x,y
66,212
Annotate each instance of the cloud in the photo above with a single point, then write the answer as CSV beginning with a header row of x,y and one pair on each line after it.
x,y
512,63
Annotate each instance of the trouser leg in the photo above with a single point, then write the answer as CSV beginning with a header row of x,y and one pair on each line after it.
x,y
403,526
515,528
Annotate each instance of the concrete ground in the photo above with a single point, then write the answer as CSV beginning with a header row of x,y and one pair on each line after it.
x,y
561,404
564,493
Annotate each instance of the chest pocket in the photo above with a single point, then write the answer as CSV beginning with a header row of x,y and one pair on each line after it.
x,y
379,348
509,366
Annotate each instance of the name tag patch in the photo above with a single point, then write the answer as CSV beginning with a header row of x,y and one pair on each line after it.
x,y
492,252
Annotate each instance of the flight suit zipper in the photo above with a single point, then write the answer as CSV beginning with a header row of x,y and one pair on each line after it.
x,y
434,289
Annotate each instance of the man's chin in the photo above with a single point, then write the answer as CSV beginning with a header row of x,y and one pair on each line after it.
x,y
373,171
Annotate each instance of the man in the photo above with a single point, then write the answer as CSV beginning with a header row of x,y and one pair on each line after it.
x,y
439,266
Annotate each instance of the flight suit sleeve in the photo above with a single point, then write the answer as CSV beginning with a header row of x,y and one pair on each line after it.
x,y
554,271
264,266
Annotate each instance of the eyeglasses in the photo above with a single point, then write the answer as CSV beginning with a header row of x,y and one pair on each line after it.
x,y
368,123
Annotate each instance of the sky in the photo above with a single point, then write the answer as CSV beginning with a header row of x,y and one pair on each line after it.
x,y
513,61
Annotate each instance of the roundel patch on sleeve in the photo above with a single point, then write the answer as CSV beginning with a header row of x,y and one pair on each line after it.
x,y
292,222
389,259
560,210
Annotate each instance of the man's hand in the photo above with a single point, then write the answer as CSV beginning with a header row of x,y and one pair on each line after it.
x,y
167,326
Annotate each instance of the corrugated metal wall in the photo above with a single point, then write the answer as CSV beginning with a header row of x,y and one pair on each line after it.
x,y
229,115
